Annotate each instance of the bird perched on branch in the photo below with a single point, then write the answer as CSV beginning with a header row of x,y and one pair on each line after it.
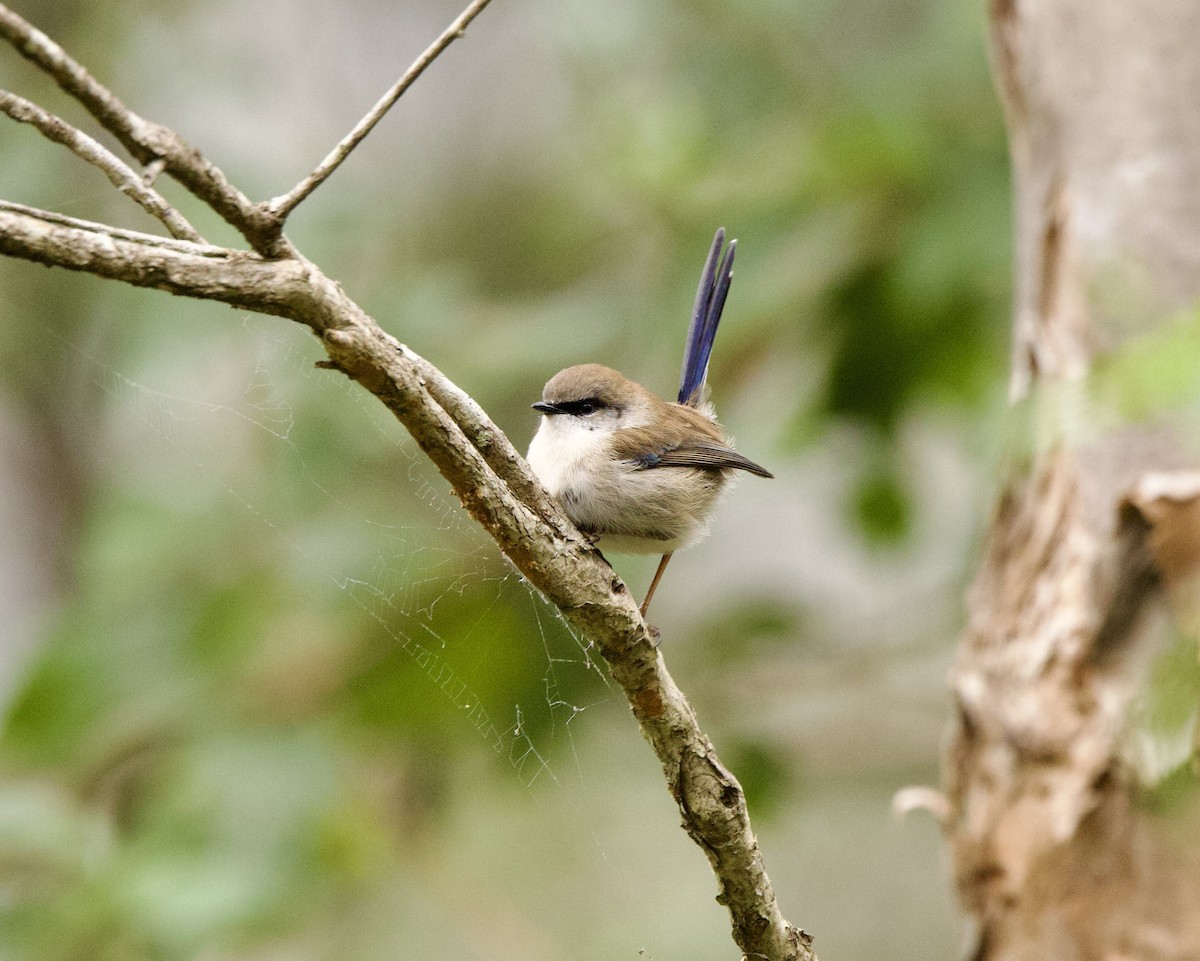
x,y
638,474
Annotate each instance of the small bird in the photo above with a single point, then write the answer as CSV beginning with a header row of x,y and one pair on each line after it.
x,y
635,473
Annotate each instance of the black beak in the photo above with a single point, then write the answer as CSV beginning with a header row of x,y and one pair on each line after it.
x,y
544,408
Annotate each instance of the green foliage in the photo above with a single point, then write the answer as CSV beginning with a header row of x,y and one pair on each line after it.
x,y
881,507
763,774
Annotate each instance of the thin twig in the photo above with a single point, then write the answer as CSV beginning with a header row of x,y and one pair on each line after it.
x,y
283,205
152,170
119,173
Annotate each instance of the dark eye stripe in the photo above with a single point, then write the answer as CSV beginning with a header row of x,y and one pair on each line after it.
x,y
587,405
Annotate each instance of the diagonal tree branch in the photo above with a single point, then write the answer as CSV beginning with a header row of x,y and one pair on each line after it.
x,y
490,479
283,205
119,173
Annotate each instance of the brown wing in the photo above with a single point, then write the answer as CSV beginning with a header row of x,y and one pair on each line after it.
x,y
708,455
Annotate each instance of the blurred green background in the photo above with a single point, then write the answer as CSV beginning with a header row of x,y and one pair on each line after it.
x,y
267,693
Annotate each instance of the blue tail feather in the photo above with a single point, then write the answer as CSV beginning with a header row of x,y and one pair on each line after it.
x,y
710,301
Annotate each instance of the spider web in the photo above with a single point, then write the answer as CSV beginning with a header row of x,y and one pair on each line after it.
x,y
399,575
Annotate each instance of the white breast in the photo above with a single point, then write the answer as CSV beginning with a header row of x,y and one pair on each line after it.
x,y
564,454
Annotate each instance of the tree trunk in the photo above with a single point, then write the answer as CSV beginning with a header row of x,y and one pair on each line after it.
x,y
1091,561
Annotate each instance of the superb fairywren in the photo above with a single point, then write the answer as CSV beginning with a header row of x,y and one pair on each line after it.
x,y
638,474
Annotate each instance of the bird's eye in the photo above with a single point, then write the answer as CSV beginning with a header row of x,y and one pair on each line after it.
x,y
587,407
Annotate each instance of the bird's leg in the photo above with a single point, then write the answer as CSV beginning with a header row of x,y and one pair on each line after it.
x,y
662,566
